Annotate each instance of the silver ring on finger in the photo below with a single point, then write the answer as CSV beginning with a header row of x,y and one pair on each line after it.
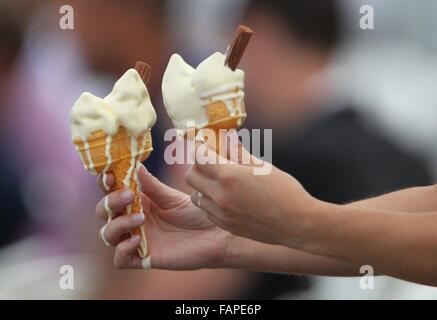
x,y
199,196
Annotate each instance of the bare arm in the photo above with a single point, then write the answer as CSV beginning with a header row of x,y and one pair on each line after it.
x,y
399,244
247,254
420,199
343,238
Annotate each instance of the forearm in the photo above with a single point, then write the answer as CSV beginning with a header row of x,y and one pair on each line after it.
x,y
420,199
402,245
252,255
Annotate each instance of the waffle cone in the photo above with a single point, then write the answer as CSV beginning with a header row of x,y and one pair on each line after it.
x,y
119,155
219,118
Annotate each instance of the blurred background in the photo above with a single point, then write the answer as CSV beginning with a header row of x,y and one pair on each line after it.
x,y
353,112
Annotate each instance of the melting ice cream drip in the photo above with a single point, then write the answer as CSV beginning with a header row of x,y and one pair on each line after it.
x,y
144,245
91,167
81,158
105,181
132,175
108,144
133,156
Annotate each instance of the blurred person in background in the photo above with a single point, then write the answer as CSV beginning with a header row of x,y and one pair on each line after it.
x,y
321,141
33,165
13,213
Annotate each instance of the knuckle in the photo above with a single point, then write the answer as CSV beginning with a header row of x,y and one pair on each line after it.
x,y
226,179
221,201
189,175
98,209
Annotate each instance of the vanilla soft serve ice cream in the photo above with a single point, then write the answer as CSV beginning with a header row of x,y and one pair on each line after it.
x,y
180,97
187,92
128,105
214,80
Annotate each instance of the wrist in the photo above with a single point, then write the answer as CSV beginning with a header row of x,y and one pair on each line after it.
x,y
238,253
307,224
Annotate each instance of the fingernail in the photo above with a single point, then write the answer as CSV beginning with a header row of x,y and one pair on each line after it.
x,y
127,196
232,132
134,238
143,169
138,217
232,137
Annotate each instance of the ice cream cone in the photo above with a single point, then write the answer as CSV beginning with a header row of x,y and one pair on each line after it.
x,y
223,115
204,100
119,155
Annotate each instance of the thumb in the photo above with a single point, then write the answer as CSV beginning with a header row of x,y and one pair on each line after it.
x,y
164,196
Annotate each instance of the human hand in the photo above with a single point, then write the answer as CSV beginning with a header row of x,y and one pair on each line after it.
x,y
269,208
179,234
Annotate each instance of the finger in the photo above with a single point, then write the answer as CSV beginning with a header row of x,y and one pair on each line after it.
x,y
126,255
105,182
217,140
145,202
157,191
200,182
113,203
117,228
228,146
236,152
208,161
